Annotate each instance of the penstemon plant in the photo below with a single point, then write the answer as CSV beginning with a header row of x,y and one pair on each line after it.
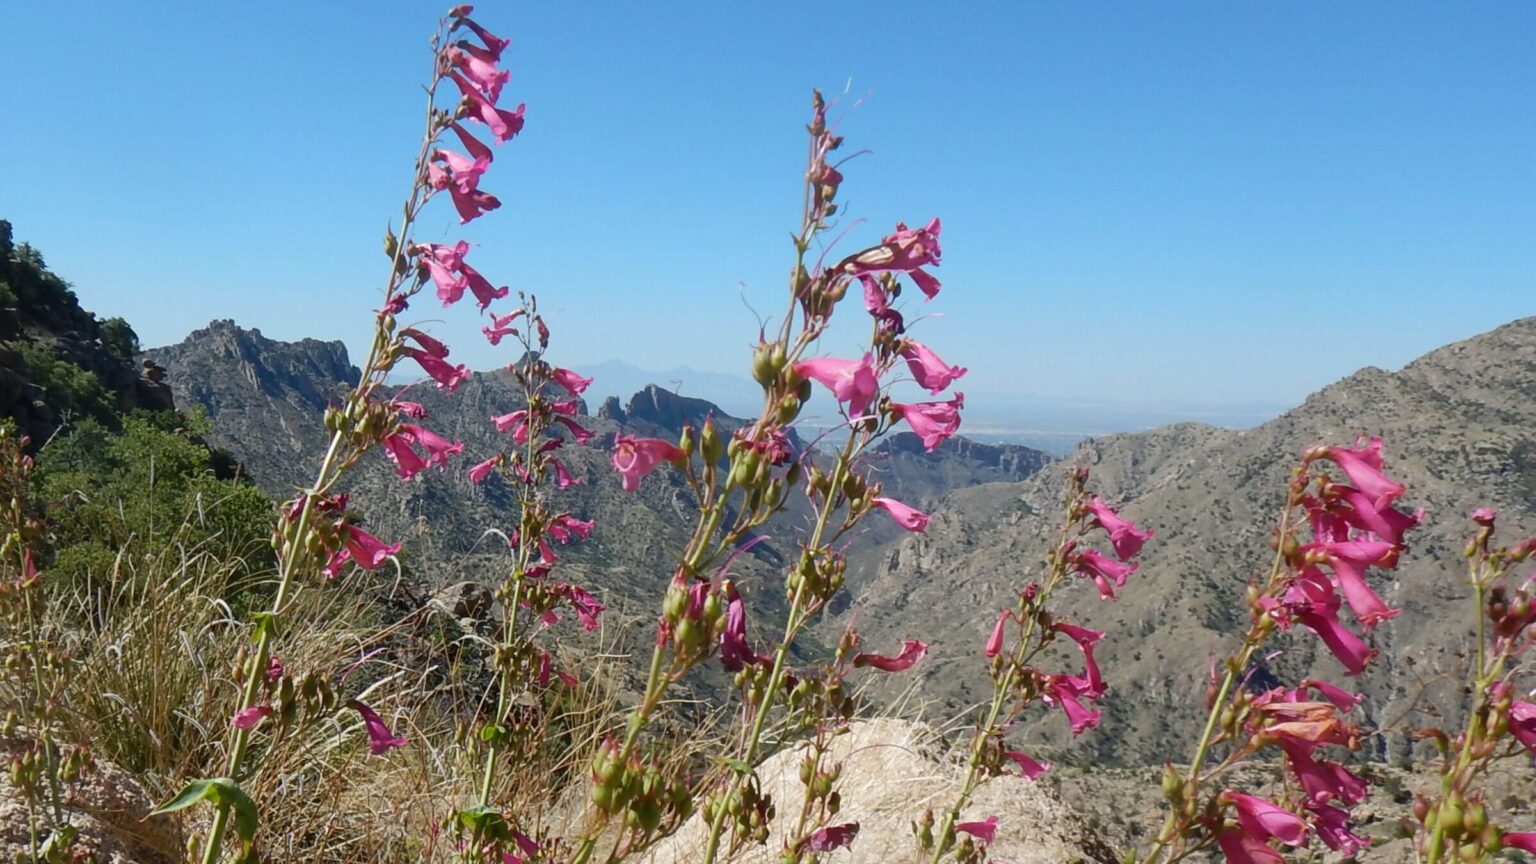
x,y
550,403
1018,639
316,535
1454,823
1353,526
741,483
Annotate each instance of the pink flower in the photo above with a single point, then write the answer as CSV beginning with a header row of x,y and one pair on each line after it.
x,y
928,370
911,651
1312,602
563,477
586,606
735,651
579,432
1085,640
1064,690
1261,819
461,177
1388,523
1027,767
413,410
504,124
879,306
831,838
274,669
1239,847
1364,467
1348,561
1522,724
400,448
1485,516
475,146
1525,840
447,377
1106,572
1341,698
852,382
1323,781
428,344
909,518
905,251
515,422
361,548
479,66
565,526
994,644
1123,534
933,422
483,470
452,275
501,327
380,739
573,383
248,718
493,44
635,457
984,832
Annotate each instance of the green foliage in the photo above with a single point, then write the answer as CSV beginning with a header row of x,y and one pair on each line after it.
x,y
152,484
119,338
70,390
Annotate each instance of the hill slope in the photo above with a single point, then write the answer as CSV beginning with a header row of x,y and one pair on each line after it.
x,y
1460,427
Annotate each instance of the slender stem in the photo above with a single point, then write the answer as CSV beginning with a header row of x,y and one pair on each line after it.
x,y
792,626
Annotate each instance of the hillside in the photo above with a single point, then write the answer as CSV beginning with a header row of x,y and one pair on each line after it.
x,y
1460,427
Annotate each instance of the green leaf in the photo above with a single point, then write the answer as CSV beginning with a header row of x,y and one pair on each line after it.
x,y
264,622
227,793
740,766
190,794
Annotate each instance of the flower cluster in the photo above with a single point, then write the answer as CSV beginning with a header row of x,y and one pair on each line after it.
x,y
1353,526
1018,641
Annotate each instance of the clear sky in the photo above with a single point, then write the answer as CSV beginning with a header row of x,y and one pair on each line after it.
x,y
1217,202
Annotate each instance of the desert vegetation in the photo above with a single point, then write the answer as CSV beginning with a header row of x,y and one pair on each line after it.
x,y
273,677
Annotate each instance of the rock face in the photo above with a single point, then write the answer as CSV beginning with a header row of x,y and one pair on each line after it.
x,y
58,363
263,396
1460,430
892,771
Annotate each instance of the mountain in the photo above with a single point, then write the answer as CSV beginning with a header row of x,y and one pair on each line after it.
x,y
58,362
1460,431
265,400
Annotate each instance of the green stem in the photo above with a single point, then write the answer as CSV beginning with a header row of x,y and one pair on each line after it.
x,y
791,628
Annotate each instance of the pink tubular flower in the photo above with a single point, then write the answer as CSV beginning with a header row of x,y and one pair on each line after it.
x,y
1064,690
905,251
361,548
1525,840
478,473
852,382
1388,523
927,369
515,422
1364,467
400,448
1107,573
1522,724
1123,534
579,432
447,377
586,606
479,66
735,651
1262,819
573,383
1028,767
565,526
380,739
1342,699
994,644
248,718
635,457
494,44
1323,781
452,275
984,831
1313,603
831,838
1239,847
909,518
912,651
563,477
1349,561
1085,640
933,422
504,125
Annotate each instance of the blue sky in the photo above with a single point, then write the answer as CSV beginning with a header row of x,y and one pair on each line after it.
x,y
1210,202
